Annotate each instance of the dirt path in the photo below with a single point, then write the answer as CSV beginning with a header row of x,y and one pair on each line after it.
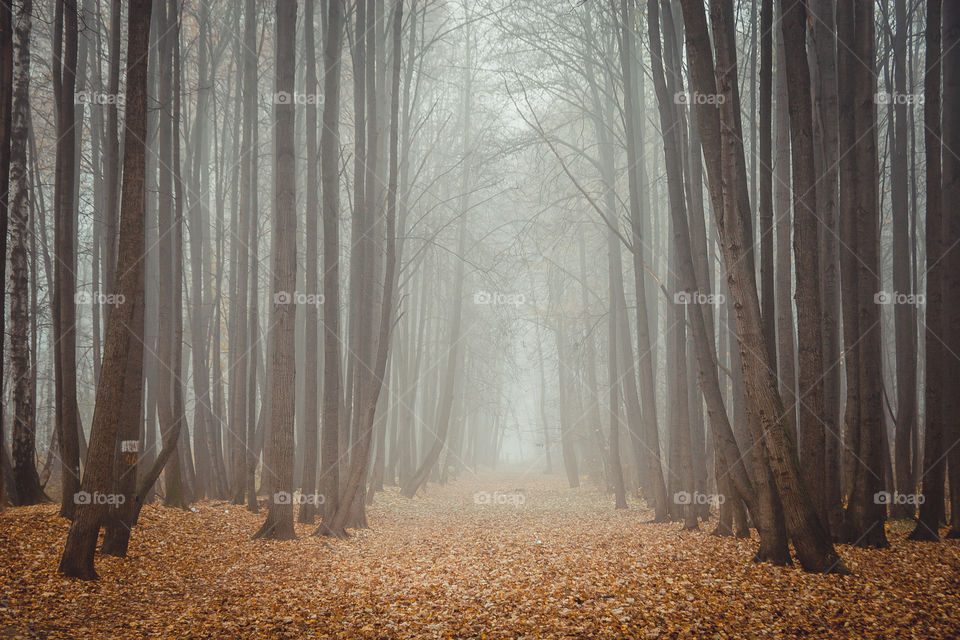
x,y
521,557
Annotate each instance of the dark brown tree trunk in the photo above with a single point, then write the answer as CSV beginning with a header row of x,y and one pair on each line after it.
x,y
78,555
278,463
934,462
765,211
865,515
951,270
810,426
826,155
65,335
904,314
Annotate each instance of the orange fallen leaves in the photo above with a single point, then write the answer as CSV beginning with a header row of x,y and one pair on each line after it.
x,y
559,563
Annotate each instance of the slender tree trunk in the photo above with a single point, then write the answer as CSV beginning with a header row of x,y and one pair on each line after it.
x,y
810,425
65,335
311,327
951,270
330,176
934,462
6,135
904,314
651,440
27,489
278,463
725,164
865,515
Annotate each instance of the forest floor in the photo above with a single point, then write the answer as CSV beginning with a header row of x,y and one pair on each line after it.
x,y
489,556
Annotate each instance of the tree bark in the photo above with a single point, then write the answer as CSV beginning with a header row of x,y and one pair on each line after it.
x,y
812,543
279,459
78,555
934,462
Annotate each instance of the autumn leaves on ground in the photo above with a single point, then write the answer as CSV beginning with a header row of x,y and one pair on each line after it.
x,y
506,556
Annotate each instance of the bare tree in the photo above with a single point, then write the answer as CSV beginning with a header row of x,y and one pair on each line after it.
x,y
78,554
279,460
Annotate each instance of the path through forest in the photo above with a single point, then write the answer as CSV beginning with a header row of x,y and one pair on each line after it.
x,y
506,556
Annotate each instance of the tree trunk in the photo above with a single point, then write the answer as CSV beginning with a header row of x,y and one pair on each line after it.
x,y
311,326
278,463
934,462
951,270
65,336
865,515
330,176
27,489
6,134
810,426
78,555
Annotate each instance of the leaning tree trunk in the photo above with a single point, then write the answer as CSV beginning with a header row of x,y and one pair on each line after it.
x,y
724,152
78,554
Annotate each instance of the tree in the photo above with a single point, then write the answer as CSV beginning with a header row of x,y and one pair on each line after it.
x,y
951,271
279,463
725,164
934,462
68,419
6,107
311,327
865,515
78,554
26,481
806,246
